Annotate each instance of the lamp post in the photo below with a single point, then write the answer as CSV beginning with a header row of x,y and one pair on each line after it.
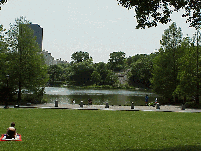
x,y
197,67
7,93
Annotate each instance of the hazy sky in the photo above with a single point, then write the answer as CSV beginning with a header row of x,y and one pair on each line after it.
x,y
95,26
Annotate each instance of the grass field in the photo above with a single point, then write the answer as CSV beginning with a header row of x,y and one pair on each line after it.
x,y
54,129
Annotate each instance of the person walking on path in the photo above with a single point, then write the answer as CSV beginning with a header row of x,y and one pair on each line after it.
x,y
146,100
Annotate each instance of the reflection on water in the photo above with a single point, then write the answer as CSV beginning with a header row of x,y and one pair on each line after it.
x,y
113,97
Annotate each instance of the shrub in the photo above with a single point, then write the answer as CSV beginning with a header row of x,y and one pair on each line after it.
x,y
151,104
191,105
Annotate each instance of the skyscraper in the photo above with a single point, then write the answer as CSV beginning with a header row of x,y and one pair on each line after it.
x,y
38,32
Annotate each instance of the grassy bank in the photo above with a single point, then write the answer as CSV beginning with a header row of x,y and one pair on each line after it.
x,y
46,129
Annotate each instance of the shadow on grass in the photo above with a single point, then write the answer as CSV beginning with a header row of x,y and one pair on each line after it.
x,y
177,148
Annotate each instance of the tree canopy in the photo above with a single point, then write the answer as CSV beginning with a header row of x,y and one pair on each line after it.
x,y
151,12
2,2
166,62
27,68
80,56
3,49
116,61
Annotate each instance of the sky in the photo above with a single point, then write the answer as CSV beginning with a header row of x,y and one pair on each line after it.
x,y
98,27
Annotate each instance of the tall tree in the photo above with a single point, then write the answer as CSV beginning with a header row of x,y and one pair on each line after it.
x,y
3,55
189,75
81,73
27,65
141,71
4,89
116,61
80,56
165,69
187,68
55,73
81,69
102,69
151,12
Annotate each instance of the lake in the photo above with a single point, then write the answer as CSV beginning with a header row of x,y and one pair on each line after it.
x,y
99,97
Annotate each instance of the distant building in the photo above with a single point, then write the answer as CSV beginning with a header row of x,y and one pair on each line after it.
x,y
49,60
59,61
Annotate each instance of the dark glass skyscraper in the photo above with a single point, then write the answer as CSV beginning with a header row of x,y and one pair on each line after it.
x,y
38,32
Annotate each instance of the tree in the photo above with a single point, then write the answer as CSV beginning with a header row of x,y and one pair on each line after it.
x,y
81,73
2,2
151,12
111,79
96,77
80,56
81,69
187,68
133,59
165,68
116,61
102,69
64,71
140,73
189,75
55,73
3,56
27,67
4,90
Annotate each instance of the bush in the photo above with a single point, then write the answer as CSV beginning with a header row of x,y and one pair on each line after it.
x,y
192,105
44,100
151,104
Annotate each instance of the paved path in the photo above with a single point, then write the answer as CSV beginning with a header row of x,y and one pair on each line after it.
x,y
163,108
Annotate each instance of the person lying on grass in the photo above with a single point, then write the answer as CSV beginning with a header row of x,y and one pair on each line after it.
x,y
11,131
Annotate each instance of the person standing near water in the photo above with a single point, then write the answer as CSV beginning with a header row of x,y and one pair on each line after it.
x,y
146,100
73,101
156,101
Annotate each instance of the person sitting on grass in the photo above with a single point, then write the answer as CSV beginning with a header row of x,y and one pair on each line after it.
x,y
11,131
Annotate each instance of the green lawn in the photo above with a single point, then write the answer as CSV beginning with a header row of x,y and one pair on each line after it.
x,y
54,129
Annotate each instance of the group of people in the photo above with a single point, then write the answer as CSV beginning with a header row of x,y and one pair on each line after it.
x,y
147,100
89,101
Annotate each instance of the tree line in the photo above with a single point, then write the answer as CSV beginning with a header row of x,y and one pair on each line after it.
x,y
173,71
81,71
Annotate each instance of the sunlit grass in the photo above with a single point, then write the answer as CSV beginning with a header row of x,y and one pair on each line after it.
x,y
53,129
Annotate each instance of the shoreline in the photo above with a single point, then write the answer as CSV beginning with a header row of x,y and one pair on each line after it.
x,y
163,108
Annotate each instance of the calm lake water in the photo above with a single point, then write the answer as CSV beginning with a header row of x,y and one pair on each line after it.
x,y
100,97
